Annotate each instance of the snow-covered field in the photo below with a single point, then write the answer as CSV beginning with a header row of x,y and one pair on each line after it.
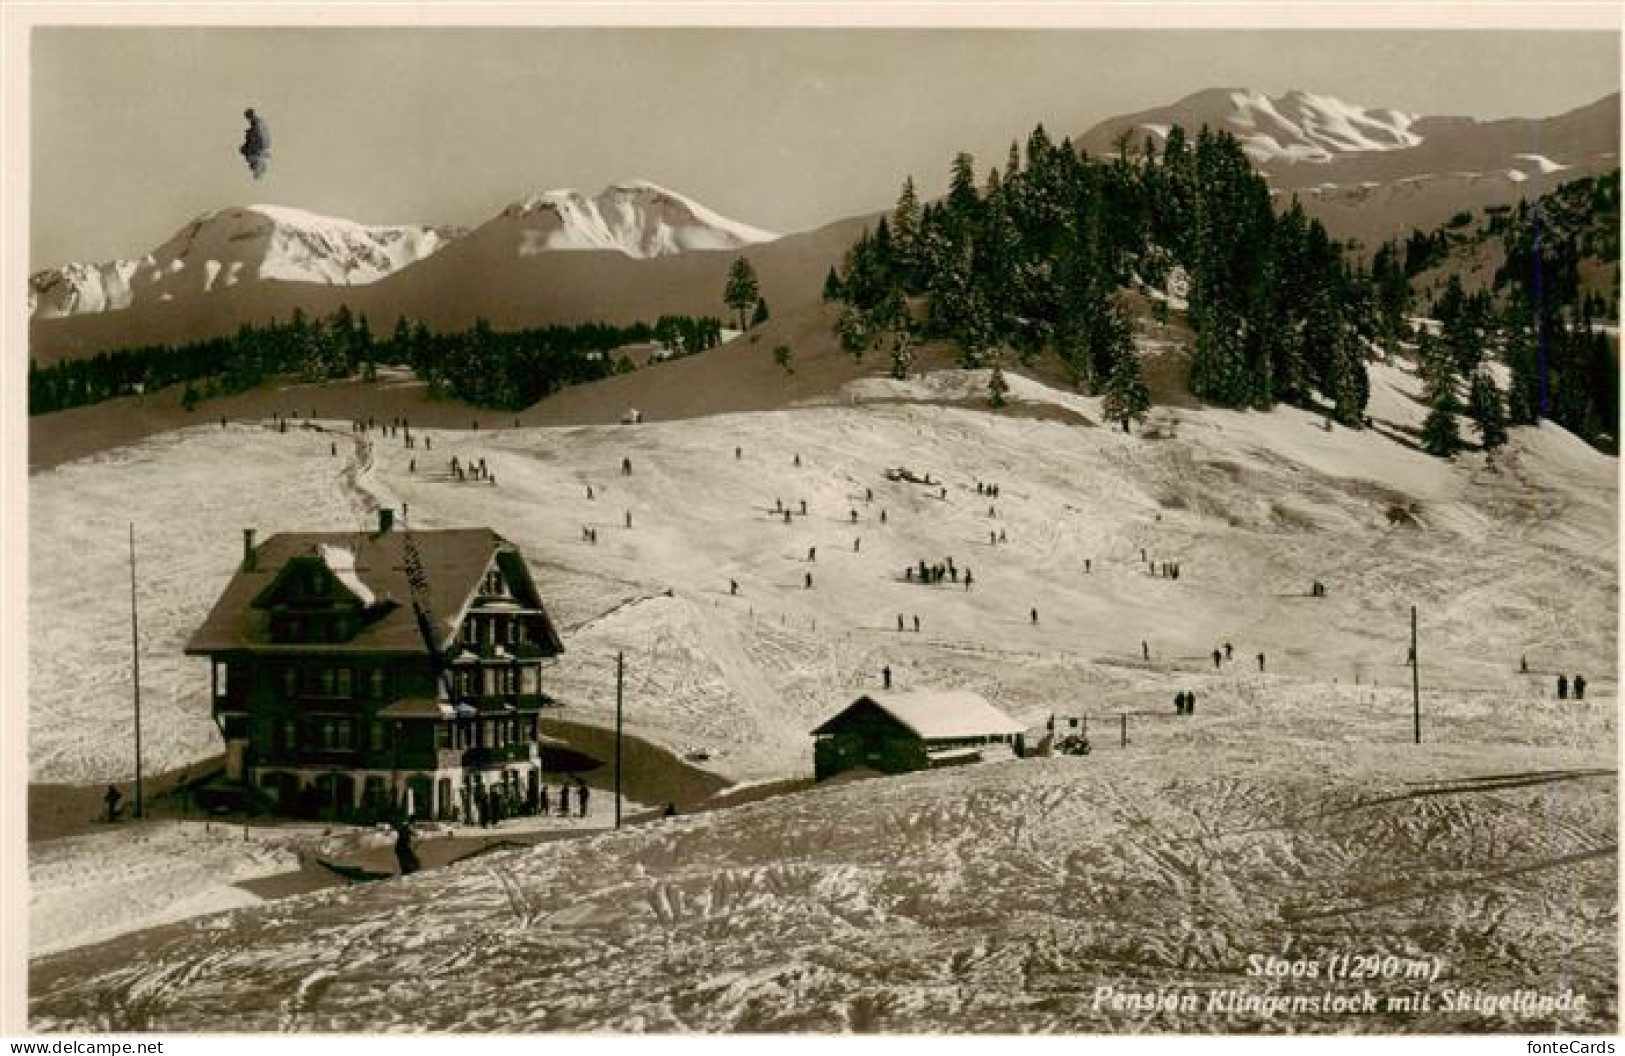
x,y
983,899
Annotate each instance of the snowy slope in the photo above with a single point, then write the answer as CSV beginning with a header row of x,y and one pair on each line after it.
x,y
987,899
1253,505
1285,817
638,218
233,246
1300,126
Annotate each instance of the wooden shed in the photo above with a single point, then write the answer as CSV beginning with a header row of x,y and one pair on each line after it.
x,y
898,732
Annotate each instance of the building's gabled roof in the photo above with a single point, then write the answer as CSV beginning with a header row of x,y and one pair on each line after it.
x,y
937,714
454,562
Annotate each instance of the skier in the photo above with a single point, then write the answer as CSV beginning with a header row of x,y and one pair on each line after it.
x,y
626,467
916,625
812,553
1190,702
885,676
581,797
1002,539
733,587
1261,663
1579,687
1217,656
1523,665
857,545
1087,563
1145,649
589,491
738,453
854,514
967,579
882,516
541,802
797,459
629,518
1227,650
807,583
1562,687
112,799
900,619
1035,616
1179,703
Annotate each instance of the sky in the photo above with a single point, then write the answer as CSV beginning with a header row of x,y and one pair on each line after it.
x,y
135,130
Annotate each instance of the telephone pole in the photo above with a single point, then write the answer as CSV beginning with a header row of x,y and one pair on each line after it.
x,y
135,663
1416,682
620,669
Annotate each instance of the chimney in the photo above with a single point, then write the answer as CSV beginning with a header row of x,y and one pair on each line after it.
x,y
386,520
248,550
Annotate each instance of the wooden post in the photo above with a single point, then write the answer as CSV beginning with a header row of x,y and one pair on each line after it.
x,y
1124,718
135,664
620,672
1416,682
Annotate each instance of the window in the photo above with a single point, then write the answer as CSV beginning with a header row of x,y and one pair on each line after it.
x,y
329,735
329,681
528,679
290,734
470,633
221,671
380,740
377,677
442,735
344,682
511,631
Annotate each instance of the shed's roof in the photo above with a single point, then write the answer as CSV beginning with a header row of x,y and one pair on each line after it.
x,y
938,714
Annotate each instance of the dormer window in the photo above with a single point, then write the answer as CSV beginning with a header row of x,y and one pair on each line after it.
x,y
493,583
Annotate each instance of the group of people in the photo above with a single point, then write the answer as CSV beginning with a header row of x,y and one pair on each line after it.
x,y
929,574
1563,685
1185,703
990,490
491,806
475,470
1317,589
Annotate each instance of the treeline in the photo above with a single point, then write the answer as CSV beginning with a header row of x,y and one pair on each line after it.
x,y
1032,260
503,369
1540,319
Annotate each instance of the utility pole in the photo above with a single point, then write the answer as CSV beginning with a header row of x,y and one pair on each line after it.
x,y
135,663
1416,682
620,670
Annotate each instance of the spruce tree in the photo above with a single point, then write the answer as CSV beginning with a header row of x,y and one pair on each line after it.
x,y
1127,397
759,316
741,291
997,387
832,286
1488,414
1439,434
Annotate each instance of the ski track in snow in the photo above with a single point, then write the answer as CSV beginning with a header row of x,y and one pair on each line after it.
x,y
1285,816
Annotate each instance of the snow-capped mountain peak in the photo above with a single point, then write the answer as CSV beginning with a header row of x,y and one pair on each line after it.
x,y
235,245
638,218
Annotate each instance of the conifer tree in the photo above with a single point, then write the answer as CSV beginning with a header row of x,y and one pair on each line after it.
x,y
997,387
1127,397
759,316
741,291
1440,436
1488,414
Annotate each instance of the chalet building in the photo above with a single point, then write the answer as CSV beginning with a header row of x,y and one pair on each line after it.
x,y
897,732
324,686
